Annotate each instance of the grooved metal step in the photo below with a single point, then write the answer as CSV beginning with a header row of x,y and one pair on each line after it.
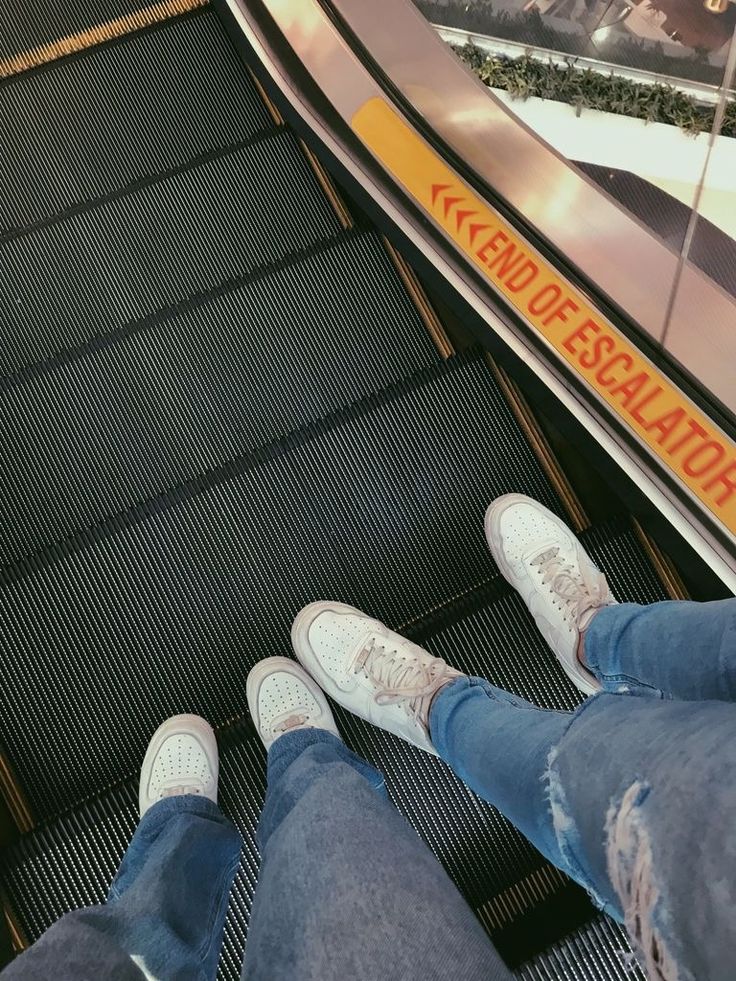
x,y
165,608
80,129
72,861
28,25
183,394
96,270
599,951
218,406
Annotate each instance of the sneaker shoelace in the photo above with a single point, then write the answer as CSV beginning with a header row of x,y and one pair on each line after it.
x,y
580,589
403,678
293,722
181,790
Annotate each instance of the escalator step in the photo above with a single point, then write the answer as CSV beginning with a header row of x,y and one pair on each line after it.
x,y
165,608
33,23
519,659
616,550
84,128
97,270
523,903
188,393
599,951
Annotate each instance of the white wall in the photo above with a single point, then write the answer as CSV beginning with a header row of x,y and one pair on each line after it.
x,y
659,153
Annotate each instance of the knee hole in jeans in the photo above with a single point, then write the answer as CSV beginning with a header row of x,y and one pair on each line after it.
x,y
629,855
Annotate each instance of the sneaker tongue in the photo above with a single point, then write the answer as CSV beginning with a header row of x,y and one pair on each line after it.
x,y
369,640
181,789
538,549
289,714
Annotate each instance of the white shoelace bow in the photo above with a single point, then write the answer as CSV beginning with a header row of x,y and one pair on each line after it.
x,y
580,590
402,678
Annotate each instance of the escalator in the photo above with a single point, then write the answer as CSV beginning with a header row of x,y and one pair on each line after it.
x,y
224,396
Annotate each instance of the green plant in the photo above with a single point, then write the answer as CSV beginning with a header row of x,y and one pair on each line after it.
x,y
586,89
530,28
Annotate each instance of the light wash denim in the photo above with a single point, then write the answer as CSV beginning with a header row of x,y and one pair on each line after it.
x,y
165,913
633,795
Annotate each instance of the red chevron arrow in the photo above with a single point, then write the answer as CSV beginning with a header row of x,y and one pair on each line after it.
x,y
438,189
474,229
449,203
461,217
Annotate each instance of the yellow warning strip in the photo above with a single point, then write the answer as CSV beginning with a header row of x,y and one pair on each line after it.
x,y
46,53
687,442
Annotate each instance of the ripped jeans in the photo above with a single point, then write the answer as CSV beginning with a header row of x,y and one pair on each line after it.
x,y
634,794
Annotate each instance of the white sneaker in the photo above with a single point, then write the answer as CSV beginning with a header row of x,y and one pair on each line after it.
x,y
181,759
282,698
539,555
376,673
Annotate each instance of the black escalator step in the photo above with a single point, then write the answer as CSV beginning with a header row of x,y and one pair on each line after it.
x,y
52,872
87,127
560,913
166,609
499,641
95,271
187,394
616,550
516,657
33,23
599,951
69,863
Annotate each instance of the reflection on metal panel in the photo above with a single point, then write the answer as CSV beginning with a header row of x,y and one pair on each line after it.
x,y
625,260
694,450
711,250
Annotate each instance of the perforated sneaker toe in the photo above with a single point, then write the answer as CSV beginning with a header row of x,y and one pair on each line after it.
x,y
181,759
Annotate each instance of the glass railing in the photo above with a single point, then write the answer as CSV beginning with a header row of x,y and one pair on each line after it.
x,y
640,97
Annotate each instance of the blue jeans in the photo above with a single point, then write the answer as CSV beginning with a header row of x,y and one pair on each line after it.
x,y
165,913
346,889
633,795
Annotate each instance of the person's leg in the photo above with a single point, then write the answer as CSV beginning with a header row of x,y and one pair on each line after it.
x,y
669,650
346,888
630,796
384,678
500,746
616,794
165,914
672,650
